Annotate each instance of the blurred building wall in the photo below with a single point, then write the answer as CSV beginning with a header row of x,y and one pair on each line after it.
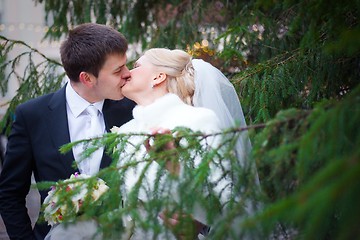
x,y
24,20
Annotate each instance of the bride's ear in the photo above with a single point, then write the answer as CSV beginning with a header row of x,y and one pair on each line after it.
x,y
160,78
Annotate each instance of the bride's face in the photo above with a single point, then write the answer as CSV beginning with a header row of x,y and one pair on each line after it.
x,y
139,86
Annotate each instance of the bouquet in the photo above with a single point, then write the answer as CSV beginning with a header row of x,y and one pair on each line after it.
x,y
65,199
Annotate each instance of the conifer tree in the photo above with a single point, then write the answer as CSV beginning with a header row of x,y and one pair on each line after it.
x,y
295,65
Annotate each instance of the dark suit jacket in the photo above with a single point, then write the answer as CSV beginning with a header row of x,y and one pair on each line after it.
x,y
39,129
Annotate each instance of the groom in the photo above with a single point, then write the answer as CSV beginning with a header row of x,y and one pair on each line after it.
x,y
94,58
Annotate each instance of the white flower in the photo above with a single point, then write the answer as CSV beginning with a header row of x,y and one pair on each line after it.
x,y
99,189
115,129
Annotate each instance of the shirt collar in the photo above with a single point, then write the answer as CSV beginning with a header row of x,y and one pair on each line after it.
x,y
77,104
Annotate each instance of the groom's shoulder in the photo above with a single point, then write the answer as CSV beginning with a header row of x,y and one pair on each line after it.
x,y
38,102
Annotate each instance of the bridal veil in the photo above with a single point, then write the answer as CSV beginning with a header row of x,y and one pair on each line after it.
x,y
213,90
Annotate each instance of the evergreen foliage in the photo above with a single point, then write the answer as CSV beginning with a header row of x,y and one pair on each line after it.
x,y
311,165
38,78
295,65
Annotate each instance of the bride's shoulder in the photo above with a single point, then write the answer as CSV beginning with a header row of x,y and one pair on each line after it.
x,y
200,111
199,116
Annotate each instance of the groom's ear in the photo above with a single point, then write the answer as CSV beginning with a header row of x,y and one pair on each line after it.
x,y
86,79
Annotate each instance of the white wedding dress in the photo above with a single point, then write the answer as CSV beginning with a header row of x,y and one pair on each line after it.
x,y
167,112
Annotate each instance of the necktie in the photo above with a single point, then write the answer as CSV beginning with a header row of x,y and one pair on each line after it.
x,y
92,164
95,125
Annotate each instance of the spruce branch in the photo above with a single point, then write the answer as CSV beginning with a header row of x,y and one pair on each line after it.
x,y
8,44
271,64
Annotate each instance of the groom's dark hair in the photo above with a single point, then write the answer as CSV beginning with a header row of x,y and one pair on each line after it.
x,y
87,48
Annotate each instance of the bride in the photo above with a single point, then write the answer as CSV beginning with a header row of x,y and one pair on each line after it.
x,y
172,90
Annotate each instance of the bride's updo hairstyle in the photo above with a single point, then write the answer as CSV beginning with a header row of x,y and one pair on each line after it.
x,y
176,64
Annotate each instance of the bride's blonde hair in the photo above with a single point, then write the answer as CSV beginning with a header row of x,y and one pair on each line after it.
x,y
176,64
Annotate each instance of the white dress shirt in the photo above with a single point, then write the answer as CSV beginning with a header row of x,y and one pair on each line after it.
x,y
79,123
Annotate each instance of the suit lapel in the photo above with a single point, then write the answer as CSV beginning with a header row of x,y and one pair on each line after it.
x,y
106,159
59,127
116,113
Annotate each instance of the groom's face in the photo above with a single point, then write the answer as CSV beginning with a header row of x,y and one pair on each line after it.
x,y
112,77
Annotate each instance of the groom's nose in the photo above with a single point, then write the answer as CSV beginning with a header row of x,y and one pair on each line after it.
x,y
126,74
